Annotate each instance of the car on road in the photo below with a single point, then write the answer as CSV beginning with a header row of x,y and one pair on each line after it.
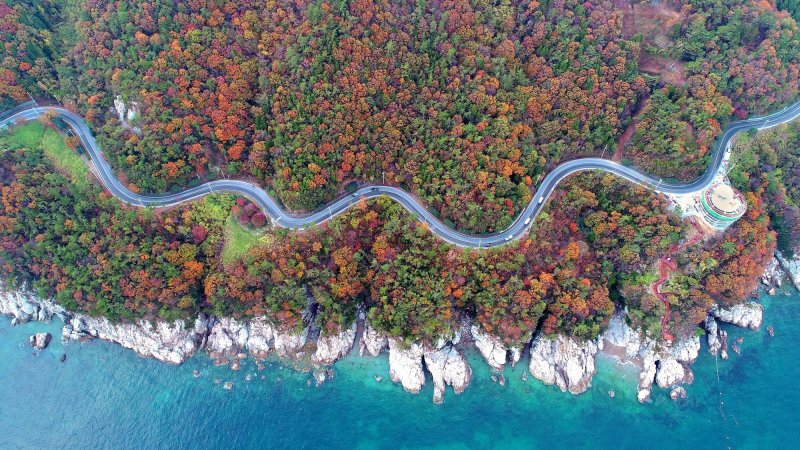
x,y
541,199
527,221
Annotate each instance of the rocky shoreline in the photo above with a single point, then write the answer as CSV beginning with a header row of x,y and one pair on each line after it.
x,y
559,360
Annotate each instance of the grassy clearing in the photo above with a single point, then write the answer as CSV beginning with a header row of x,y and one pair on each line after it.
x,y
239,240
64,158
28,135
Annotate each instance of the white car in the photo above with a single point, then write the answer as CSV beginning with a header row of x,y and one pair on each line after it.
x,y
541,199
527,221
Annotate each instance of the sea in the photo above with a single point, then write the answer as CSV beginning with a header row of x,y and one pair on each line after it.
x,y
107,397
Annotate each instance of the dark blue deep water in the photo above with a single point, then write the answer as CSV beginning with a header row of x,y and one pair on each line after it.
x,y
107,397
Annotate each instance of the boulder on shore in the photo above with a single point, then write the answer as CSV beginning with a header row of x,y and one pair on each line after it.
x,y
564,361
40,340
447,365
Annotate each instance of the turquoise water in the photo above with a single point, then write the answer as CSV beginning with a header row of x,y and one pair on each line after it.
x,y
106,397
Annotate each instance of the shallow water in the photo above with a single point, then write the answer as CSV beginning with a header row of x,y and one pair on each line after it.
x,y
104,396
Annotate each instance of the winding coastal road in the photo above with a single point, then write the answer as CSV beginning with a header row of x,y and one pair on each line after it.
x,y
31,111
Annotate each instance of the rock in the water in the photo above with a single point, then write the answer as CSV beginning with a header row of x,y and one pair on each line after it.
x,y
564,361
723,337
712,330
320,376
335,346
646,378
447,366
372,342
378,378
516,354
611,393
678,392
771,331
673,362
670,372
405,365
63,357
491,348
40,340
228,385
746,315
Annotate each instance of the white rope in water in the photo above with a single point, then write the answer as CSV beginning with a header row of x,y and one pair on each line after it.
x,y
719,388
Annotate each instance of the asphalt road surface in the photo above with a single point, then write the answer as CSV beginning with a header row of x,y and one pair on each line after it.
x,y
31,111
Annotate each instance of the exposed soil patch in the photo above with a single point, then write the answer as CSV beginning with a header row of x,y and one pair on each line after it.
x,y
654,23
628,134
623,141
671,71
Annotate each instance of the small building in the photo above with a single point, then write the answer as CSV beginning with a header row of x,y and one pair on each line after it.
x,y
722,205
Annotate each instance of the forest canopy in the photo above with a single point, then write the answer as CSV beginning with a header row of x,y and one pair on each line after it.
x,y
464,103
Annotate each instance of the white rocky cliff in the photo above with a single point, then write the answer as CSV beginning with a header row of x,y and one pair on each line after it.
x,y
564,361
745,315
561,360
332,347
792,268
372,342
405,365
447,366
491,348
168,342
